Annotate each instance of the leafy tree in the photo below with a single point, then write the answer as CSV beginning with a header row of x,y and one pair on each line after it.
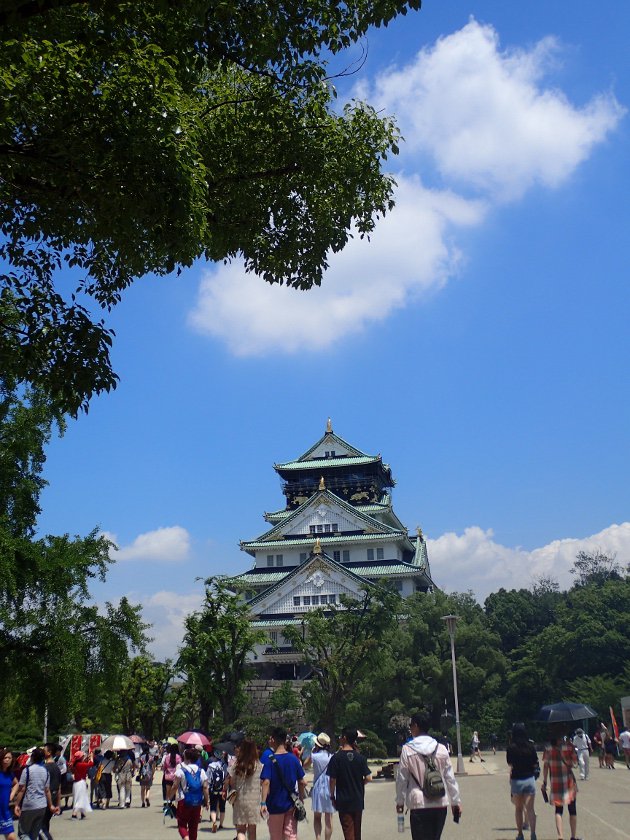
x,y
148,697
61,650
138,137
595,568
342,645
286,701
217,641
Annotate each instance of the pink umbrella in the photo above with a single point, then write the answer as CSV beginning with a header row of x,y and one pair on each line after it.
x,y
191,739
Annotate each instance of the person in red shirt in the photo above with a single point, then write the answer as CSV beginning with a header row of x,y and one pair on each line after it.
x,y
80,790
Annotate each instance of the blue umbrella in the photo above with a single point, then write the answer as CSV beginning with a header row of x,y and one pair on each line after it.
x,y
307,739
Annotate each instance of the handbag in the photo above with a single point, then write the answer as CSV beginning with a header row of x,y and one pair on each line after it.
x,y
298,806
232,796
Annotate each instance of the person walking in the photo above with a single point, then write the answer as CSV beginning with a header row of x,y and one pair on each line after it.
x,y
217,775
348,774
559,759
33,797
190,786
523,760
624,744
80,790
145,773
54,782
107,768
582,744
427,814
281,773
320,792
170,761
242,786
8,790
124,777
474,747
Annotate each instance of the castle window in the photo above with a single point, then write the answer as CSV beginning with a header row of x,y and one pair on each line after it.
x,y
370,554
307,600
332,599
279,560
270,559
337,556
335,527
315,600
380,554
273,637
312,529
320,529
296,601
345,556
327,529
323,599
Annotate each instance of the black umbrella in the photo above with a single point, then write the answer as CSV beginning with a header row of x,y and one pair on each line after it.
x,y
565,712
224,746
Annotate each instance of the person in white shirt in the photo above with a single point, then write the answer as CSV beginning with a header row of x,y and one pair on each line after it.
x,y
191,786
427,816
582,744
624,743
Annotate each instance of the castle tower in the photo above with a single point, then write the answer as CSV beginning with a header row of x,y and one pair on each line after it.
x,y
336,534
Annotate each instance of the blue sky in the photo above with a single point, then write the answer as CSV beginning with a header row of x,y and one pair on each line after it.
x,y
479,342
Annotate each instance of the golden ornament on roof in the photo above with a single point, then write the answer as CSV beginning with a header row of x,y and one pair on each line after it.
x,y
329,426
322,483
317,548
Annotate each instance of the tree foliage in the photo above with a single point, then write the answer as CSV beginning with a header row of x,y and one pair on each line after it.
x,y
61,650
214,652
342,645
149,697
136,138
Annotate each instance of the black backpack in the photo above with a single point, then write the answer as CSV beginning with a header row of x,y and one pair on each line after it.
x,y
217,777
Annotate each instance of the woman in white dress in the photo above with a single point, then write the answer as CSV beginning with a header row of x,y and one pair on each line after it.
x,y
320,792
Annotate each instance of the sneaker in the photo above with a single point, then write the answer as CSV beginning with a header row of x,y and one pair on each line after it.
x,y
534,836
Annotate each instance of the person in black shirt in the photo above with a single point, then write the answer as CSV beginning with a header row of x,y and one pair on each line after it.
x,y
348,774
522,758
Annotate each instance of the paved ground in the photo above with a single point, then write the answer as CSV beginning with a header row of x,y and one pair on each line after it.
x,y
603,812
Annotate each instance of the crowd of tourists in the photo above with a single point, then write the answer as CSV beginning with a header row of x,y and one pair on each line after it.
x,y
268,785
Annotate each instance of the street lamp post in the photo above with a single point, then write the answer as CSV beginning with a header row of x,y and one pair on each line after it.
x,y
451,621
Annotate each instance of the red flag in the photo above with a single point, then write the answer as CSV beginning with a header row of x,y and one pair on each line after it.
x,y
614,723
95,741
75,744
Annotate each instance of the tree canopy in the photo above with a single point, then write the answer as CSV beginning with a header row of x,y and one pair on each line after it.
x,y
61,649
136,138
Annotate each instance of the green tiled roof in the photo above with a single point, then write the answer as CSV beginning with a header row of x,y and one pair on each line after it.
x,y
258,578
324,539
330,439
275,622
372,523
325,463
386,569
377,507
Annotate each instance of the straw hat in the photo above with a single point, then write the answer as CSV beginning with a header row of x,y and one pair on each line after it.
x,y
322,740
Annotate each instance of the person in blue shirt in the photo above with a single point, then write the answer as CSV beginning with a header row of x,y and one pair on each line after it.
x,y
281,770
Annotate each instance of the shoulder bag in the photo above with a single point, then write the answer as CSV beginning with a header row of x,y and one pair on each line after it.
x,y
298,806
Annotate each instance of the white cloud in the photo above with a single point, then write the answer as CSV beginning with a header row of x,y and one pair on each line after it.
x,y
473,560
485,119
166,611
485,116
164,545
410,253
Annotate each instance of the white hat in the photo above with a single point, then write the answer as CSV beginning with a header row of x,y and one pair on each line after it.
x,y
322,740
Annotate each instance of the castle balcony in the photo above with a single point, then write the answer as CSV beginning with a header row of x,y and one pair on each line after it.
x,y
282,655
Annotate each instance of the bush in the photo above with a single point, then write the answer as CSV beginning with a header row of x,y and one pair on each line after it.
x,y
372,746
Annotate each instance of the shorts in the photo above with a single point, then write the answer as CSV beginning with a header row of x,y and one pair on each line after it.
x,y
523,787
6,827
